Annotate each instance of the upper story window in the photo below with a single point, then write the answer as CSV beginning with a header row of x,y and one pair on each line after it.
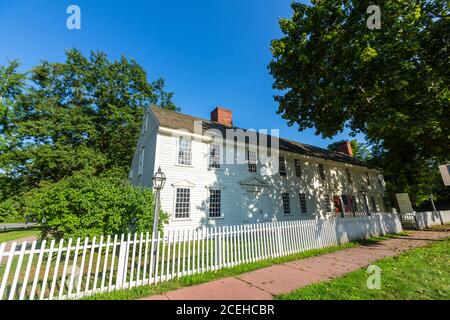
x,y
141,161
251,159
184,151
321,172
349,176
182,203
282,166
286,203
214,203
367,178
380,181
214,156
303,208
327,201
298,167
353,203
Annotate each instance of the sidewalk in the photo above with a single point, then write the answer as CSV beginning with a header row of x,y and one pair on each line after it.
x,y
264,283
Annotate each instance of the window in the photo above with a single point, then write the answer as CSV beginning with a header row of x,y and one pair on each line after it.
x,y
349,176
367,179
380,181
303,208
282,163
251,159
286,203
327,202
214,203
184,151
354,204
298,168
214,156
374,204
141,162
321,172
182,203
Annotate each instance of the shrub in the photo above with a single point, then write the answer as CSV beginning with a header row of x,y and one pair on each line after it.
x,y
86,206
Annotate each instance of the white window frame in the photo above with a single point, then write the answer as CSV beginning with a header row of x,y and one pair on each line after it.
x,y
321,169
251,164
283,198
175,204
218,162
349,175
282,166
298,168
300,197
179,138
220,203
327,203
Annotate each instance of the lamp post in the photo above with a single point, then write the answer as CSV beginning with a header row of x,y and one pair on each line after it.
x,y
364,193
158,180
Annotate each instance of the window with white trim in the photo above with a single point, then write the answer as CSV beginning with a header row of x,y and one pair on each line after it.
x,y
322,172
303,208
252,160
298,167
354,204
349,175
141,161
182,203
214,156
374,204
327,201
367,179
286,203
184,151
282,166
214,203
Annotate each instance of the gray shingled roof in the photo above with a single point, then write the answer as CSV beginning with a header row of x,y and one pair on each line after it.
x,y
175,120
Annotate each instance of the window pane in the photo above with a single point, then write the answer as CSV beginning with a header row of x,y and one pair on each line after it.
x,y
321,172
184,151
298,168
303,208
252,160
182,203
214,203
282,164
214,156
286,203
349,176
327,203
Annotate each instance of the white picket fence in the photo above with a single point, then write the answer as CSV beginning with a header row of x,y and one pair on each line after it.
x,y
74,268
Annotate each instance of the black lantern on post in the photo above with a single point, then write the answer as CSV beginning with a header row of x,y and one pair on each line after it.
x,y
158,180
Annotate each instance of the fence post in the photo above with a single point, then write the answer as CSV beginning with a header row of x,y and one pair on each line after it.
x,y
121,263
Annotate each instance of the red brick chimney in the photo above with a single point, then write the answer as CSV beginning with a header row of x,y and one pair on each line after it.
x,y
345,147
222,116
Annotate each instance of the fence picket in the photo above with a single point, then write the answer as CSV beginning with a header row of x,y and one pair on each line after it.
x,y
27,271
18,267
55,272
47,269
105,263
83,259
38,270
74,268
7,268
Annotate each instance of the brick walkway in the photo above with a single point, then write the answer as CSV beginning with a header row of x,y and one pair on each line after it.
x,y
262,284
28,239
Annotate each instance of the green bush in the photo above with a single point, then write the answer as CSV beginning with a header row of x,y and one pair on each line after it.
x,y
84,206
11,210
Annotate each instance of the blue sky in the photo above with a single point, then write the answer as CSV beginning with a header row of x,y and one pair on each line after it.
x,y
210,52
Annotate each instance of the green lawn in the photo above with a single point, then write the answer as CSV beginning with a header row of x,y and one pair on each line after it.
x,y
17,234
422,273
144,291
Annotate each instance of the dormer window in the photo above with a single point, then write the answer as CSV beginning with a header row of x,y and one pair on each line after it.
x,y
184,151
298,168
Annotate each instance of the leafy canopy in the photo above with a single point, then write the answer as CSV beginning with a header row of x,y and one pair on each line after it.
x,y
390,84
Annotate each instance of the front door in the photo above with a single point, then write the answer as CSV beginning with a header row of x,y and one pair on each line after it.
x,y
254,207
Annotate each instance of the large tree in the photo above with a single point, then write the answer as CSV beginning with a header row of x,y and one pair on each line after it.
x,y
390,84
63,117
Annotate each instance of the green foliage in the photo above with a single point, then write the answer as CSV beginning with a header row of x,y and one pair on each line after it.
x,y
391,84
84,206
60,118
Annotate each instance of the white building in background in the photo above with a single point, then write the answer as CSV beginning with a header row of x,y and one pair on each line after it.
x,y
295,181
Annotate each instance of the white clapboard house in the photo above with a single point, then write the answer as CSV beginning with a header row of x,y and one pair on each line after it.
x,y
216,180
